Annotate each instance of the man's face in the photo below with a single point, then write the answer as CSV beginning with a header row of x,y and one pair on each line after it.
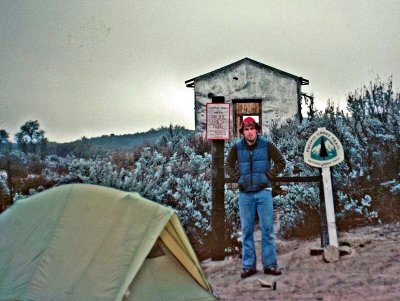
x,y
250,134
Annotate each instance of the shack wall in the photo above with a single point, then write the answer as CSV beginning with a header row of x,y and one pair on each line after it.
x,y
278,92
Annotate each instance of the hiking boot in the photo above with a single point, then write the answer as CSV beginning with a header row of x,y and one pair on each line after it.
x,y
247,273
272,271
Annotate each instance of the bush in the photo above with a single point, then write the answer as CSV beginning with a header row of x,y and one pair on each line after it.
x,y
299,214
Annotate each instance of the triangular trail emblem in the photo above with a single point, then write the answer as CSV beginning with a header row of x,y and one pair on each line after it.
x,y
323,149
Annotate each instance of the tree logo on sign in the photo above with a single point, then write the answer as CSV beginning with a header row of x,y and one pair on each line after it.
x,y
323,149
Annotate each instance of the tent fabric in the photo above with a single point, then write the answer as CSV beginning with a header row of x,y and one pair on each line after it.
x,y
155,285
177,242
87,242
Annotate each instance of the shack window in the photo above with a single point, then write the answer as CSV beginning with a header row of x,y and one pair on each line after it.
x,y
243,108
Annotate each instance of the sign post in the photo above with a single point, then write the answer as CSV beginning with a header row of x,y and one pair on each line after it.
x,y
323,149
217,130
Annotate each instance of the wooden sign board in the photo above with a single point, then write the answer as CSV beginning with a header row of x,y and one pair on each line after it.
x,y
217,121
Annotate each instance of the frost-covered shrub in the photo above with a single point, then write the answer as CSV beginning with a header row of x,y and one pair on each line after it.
x,y
21,173
179,181
299,211
3,183
353,212
232,219
32,191
4,191
393,186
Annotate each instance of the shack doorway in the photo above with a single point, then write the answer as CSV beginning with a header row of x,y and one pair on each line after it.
x,y
243,108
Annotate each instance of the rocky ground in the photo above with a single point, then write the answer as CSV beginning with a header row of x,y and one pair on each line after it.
x,y
370,272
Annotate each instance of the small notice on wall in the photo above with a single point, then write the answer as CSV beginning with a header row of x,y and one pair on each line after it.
x,y
217,121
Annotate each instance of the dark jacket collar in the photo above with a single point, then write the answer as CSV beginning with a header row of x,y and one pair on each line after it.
x,y
253,145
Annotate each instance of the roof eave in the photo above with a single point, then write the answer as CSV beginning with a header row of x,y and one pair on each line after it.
x,y
190,82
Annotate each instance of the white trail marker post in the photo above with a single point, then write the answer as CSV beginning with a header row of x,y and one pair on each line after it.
x,y
323,149
329,207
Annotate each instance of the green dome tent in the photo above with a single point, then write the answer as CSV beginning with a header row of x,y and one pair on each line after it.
x,y
84,242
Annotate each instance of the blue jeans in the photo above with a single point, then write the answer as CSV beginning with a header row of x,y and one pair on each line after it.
x,y
261,203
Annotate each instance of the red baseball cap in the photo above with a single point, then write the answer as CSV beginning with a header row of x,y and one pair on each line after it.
x,y
249,120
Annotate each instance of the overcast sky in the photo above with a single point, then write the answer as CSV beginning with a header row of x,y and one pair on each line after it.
x,y
88,68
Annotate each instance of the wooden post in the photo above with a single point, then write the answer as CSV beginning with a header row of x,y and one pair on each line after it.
x,y
218,195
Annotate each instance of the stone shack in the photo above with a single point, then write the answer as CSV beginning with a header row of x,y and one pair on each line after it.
x,y
269,95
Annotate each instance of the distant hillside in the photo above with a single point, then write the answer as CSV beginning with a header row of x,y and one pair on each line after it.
x,y
128,141
89,146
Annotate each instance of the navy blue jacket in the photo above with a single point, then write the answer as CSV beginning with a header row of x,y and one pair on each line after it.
x,y
253,164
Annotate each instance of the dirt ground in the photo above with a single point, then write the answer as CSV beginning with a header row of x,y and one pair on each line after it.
x,y
370,272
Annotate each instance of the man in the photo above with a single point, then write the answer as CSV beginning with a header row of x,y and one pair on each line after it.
x,y
249,162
